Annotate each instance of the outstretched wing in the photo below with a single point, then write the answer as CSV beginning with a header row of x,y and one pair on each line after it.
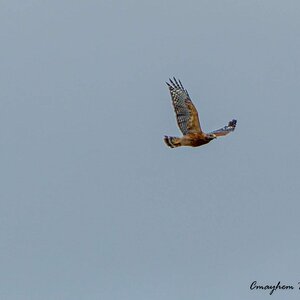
x,y
226,129
186,112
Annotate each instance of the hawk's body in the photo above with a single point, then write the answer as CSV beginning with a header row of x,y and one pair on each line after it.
x,y
190,139
188,120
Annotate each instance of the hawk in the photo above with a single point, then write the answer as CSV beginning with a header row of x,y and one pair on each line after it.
x,y
188,120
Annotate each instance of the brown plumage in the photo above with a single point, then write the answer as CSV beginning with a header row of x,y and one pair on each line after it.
x,y
188,120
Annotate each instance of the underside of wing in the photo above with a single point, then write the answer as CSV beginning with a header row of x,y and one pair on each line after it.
x,y
186,113
226,129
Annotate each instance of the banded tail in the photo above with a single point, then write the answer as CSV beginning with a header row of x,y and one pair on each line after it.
x,y
172,142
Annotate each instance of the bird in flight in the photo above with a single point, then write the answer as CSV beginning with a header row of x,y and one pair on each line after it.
x,y
188,120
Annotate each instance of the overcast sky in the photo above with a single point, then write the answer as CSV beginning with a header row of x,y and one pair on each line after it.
x,y
93,204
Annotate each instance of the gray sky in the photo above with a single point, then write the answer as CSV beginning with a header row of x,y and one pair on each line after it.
x,y
93,204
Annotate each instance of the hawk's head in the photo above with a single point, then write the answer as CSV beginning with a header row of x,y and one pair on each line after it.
x,y
210,136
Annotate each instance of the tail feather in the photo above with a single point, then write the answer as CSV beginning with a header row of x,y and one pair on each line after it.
x,y
172,142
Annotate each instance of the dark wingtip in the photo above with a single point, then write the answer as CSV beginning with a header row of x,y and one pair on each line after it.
x,y
169,85
181,84
172,83
232,123
175,84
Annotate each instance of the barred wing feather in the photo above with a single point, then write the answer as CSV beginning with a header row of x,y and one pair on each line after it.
x,y
186,112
